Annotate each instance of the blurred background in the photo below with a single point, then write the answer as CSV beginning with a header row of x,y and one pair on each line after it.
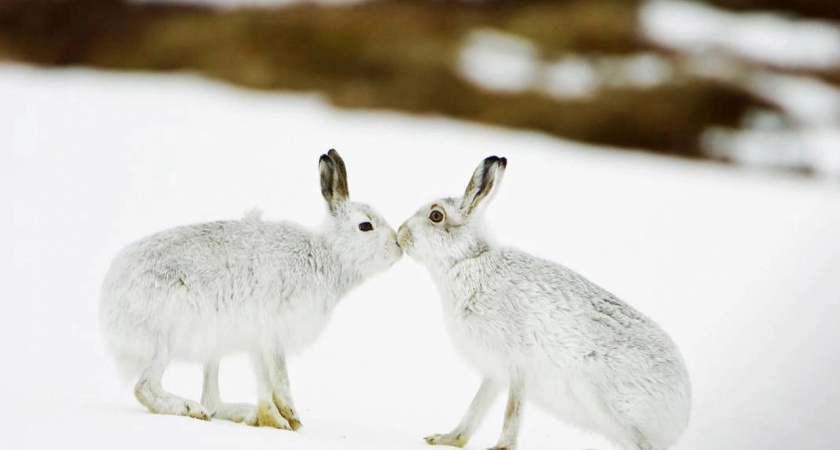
x,y
683,155
752,82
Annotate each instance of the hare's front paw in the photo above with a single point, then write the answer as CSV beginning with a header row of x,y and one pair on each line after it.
x,y
237,412
269,416
287,411
455,440
151,395
181,407
290,415
196,410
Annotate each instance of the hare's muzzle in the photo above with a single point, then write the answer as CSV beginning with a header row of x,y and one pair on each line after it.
x,y
404,238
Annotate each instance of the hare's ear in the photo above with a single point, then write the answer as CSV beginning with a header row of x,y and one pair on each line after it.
x,y
483,185
333,179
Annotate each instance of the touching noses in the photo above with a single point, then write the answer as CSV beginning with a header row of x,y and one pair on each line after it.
x,y
404,236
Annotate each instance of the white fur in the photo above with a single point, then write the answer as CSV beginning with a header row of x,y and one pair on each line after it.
x,y
546,331
204,291
253,215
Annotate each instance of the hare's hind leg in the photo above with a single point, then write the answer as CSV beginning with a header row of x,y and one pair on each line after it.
x,y
149,392
211,399
482,401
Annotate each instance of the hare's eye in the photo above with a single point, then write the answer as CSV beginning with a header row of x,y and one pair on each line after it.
x,y
365,226
436,216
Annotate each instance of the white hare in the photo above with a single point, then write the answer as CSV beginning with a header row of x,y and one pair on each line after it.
x,y
203,291
545,332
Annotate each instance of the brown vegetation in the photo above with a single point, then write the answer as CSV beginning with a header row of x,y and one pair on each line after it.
x,y
391,54
820,9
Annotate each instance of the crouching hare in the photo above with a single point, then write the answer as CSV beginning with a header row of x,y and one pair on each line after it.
x,y
200,292
545,332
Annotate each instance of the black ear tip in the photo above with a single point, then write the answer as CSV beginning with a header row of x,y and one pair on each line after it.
x,y
324,159
490,160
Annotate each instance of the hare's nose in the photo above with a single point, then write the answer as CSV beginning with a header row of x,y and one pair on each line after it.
x,y
404,237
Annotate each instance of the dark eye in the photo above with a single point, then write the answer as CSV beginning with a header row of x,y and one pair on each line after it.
x,y
366,226
436,216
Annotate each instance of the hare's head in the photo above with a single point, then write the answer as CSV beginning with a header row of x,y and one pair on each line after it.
x,y
361,238
448,229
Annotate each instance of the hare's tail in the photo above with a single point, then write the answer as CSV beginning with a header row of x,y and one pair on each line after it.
x,y
253,215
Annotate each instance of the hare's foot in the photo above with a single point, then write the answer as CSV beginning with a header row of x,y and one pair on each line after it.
x,y
236,412
187,408
291,416
269,416
459,436
287,411
455,440
155,399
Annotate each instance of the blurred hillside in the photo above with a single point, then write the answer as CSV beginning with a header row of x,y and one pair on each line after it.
x,y
679,78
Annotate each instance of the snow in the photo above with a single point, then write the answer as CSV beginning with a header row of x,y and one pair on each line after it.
x,y
499,61
811,142
642,70
812,149
766,37
806,100
504,62
572,77
741,267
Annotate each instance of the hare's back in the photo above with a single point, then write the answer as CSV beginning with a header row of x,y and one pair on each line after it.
x,y
205,255
549,298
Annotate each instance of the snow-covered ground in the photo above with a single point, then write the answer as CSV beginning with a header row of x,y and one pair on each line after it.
x,y
742,268
768,37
